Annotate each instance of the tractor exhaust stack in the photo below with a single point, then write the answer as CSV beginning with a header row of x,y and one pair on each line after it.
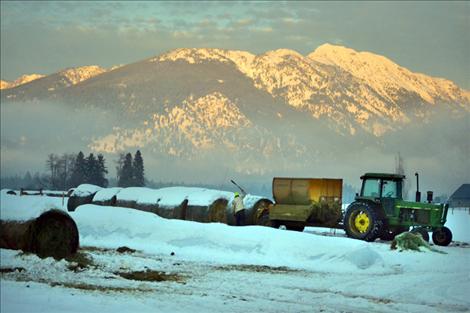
x,y
418,194
430,196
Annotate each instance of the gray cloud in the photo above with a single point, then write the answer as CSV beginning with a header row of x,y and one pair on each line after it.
x,y
46,36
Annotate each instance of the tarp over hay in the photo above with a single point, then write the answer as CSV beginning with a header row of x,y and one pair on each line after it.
x,y
186,203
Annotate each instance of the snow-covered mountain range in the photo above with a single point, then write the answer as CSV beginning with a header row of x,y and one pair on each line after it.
x,y
191,103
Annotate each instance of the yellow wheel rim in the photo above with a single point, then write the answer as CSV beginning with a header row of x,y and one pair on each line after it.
x,y
361,222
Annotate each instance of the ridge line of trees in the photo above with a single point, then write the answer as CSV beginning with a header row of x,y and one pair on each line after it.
x,y
70,170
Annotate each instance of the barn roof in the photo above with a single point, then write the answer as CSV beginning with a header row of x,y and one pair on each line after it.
x,y
461,197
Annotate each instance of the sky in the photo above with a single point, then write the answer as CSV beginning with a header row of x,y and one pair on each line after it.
x,y
45,37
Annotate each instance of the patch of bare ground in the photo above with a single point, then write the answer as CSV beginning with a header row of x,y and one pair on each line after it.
x,y
80,261
96,249
256,268
150,275
90,287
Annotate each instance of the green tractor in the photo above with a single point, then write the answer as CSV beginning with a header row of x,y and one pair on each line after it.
x,y
379,211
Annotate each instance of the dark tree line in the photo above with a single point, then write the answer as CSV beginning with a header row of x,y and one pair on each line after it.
x,y
130,171
28,181
70,170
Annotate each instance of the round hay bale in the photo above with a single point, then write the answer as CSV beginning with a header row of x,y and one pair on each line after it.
x,y
218,211
126,203
75,201
12,234
107,202
54,233
257,210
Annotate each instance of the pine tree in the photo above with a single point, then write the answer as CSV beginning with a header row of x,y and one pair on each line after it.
x,y
101,172
28,181
91,170
119,165
138,170
78,172
126,173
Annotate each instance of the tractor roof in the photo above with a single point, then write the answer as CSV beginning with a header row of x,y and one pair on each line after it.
x,y
383,175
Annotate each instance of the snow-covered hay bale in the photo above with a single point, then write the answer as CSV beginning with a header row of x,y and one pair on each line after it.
x,y
83,194
53,234
185,203
106,196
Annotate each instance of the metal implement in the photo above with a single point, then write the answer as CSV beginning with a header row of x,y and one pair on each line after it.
x,y
301,202
241,189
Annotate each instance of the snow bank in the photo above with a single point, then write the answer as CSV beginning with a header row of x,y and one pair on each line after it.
x,y
112,227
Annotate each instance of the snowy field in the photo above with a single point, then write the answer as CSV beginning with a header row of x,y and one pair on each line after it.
x,y
219,268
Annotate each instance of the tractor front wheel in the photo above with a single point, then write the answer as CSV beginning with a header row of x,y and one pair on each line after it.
x,y
389,234
442,236
362,222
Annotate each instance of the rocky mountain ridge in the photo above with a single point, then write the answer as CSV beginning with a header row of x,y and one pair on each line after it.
x,y
195,103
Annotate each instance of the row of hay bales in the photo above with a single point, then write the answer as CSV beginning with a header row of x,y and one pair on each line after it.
x,y
185,203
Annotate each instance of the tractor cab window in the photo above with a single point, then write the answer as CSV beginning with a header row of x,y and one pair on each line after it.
x,y
389,189
371,188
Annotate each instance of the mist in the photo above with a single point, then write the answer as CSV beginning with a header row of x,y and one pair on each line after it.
x,y
438,149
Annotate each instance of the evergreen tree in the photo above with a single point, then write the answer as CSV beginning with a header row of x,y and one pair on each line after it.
x,y
102,171
78,172
91,170
126,173
119,165
138,170
28,181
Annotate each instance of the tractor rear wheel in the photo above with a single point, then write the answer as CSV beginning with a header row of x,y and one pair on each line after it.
x,y
442,236
422,231
362,222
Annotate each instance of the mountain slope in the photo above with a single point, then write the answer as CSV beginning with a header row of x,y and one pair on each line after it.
x,y
387,78
39,86
20,81
335,87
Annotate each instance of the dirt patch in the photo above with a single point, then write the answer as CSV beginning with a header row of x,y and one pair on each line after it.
x,y
89,287
125,249
96,249
80,261
256,268
150,275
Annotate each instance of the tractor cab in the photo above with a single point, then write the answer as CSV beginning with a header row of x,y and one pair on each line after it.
x,y
376,186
